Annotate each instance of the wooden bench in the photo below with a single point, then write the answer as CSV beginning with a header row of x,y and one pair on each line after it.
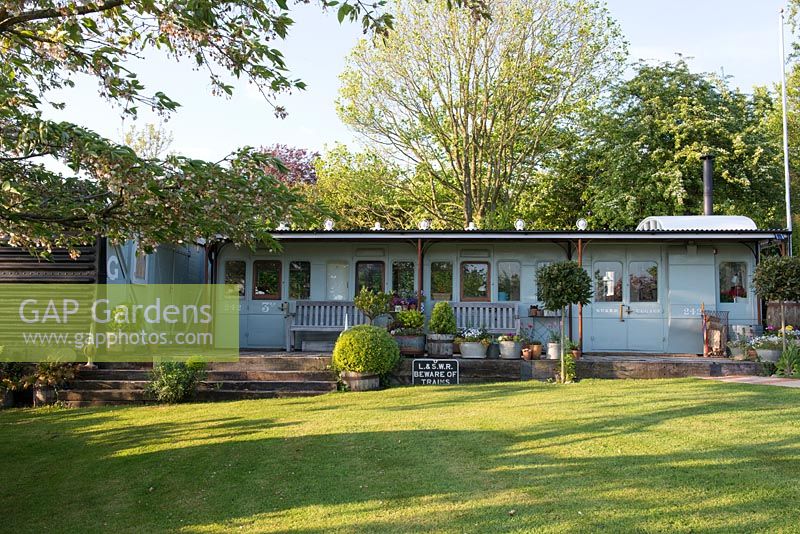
x,y
322,316
494,317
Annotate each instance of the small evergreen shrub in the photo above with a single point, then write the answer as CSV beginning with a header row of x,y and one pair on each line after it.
x,y
443,320
365,349
174,382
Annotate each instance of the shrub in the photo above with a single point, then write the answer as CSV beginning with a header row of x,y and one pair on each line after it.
x,y
173,382
365,349
789,363
16,376
371,303
443,320
53,374
568,369
411,321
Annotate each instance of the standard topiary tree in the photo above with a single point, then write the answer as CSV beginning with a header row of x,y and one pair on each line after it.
x,y
778,278
372,304
367,350
560,285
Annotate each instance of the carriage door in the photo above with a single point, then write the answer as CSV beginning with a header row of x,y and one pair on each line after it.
x,y
627,313
644,310
265,320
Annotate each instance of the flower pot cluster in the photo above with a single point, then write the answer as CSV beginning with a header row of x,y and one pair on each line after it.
x,y
767,347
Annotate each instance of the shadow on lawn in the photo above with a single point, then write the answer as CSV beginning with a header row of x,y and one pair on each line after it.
x,y
442,479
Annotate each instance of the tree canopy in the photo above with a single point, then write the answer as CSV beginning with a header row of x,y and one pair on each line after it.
x,y
639,154
472,103
63,185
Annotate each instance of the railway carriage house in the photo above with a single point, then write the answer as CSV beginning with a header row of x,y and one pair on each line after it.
x,y
650,284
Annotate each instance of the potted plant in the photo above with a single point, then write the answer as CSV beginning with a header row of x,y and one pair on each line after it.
x,y
561,285
362,355
443,331
510,347
769,346
536,349
47,378
778,278
408,332
372,304
574,348
738,347
473,343
553,346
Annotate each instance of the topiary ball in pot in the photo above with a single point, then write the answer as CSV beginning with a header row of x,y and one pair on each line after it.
x,y
364,353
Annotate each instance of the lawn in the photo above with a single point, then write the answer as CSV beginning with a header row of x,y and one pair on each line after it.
x,y
618,456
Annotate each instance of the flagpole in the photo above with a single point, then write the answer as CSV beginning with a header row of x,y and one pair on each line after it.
x,y
785,138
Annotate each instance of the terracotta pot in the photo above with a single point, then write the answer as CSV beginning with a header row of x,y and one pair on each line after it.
x,y
536,351
360,381
576,353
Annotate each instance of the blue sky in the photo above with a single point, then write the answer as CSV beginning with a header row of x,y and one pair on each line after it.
x,y
737,37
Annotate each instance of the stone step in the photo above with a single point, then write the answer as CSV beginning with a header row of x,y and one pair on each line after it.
x,y
220,376
114,374
96,402
125,365
227,394
107,384
246,385
274,363
110,396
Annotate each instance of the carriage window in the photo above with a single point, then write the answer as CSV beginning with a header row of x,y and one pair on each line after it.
x,y
300,280
644,281
508,274
441,280
267,280
475,281
369,274
403,278
732,281
234,275
608,281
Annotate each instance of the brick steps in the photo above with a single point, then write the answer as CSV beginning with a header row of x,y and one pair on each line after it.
x,y
253,377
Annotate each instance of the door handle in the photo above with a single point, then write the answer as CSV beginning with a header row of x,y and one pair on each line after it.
x,y
621,319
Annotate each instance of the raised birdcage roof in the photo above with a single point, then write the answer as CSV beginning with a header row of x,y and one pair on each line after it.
x,y
696,222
